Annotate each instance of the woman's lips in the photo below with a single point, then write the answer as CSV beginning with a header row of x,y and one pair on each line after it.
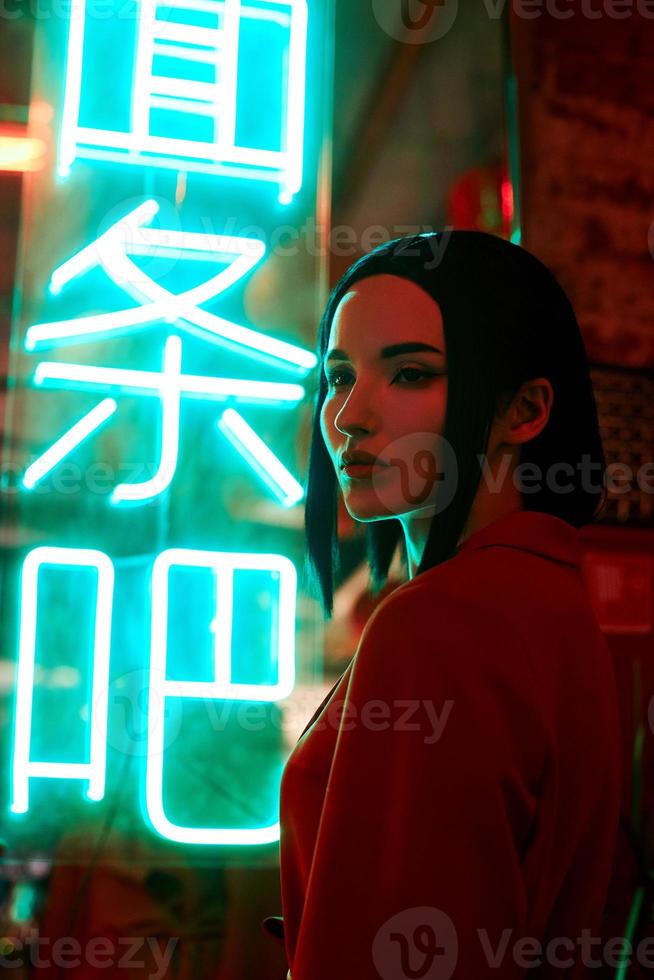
x,y
359,470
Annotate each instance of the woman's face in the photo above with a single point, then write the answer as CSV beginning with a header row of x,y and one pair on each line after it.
x,y
387,391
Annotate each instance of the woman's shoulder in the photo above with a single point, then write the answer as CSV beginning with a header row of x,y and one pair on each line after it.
x,y
429,623
510,576
441,596
485,616
500,615
438,646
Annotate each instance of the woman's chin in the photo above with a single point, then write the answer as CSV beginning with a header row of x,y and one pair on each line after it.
x,y
366,510
361,509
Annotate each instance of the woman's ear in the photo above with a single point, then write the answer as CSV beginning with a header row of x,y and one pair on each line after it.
x,y
527,414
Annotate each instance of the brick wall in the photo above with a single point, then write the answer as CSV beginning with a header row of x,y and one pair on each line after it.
x,y
586,119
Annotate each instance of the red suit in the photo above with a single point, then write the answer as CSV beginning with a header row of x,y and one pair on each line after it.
x,y
453,806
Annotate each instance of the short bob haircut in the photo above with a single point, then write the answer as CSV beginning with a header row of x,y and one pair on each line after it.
x,y
506,320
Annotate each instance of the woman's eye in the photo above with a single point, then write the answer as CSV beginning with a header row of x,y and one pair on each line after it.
x,y
410,375
336,379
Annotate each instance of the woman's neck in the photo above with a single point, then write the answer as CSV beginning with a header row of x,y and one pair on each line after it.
x,y
497,495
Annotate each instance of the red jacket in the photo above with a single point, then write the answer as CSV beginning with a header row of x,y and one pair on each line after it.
x,y
452,808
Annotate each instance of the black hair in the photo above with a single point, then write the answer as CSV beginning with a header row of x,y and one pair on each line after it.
x,y
506,320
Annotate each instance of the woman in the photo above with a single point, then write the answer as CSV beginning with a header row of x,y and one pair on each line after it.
x,y
452,807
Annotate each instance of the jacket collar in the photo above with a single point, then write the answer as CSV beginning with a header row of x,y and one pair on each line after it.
x,y
533,531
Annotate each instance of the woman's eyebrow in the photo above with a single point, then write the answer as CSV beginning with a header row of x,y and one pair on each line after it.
x,y
409,347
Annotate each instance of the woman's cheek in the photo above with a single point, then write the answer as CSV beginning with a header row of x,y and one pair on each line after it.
x,y
327,426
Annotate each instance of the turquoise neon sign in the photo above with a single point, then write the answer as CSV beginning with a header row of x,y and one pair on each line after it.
x,y
169,593
224,566
183,103
112,252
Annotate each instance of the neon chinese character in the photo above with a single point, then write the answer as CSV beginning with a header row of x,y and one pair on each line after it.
x,y
277,654
211,86
113,251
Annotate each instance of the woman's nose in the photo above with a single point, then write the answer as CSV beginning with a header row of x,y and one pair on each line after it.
x,y
357,415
